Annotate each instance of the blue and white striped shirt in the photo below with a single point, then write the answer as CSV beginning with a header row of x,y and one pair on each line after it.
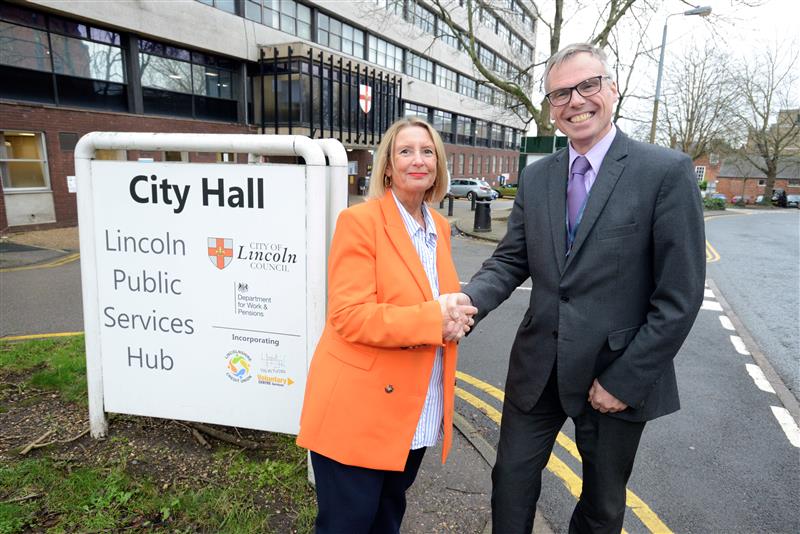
x,y
429,427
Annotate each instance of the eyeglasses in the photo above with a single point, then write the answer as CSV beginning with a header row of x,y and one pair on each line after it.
x,y
588,87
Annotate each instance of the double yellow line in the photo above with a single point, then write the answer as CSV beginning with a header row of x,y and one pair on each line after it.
x,y
570,479
63,260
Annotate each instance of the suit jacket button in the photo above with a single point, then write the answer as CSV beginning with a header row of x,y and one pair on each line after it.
x,y
388,389
555,334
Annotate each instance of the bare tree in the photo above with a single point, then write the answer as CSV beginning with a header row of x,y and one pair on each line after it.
x,y
608,15
700,99
769,85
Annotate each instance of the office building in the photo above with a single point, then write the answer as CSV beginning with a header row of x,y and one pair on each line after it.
x,y
319,68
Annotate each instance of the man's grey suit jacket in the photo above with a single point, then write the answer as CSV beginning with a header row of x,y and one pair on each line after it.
x,y
619,307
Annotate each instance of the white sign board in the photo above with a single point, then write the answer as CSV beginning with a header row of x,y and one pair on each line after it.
x,y
201,291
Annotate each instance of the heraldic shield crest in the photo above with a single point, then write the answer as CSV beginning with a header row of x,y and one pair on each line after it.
x,y
365,97
220,251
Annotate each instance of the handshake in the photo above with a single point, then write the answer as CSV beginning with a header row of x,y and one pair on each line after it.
x,y
457,315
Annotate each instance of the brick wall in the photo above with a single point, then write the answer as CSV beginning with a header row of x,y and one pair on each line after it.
x,y
53,120
731,187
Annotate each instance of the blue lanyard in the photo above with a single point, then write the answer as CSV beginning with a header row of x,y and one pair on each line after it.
x,y
572,232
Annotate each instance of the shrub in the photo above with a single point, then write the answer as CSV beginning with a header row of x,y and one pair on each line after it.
x,y
713,203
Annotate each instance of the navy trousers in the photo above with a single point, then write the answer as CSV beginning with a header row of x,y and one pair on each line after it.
x,y
357,500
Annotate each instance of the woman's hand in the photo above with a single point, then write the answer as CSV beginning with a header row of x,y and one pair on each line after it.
x,y
457,315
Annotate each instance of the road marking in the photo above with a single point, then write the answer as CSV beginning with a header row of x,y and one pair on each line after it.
x,y
787,424
758,377
40,336
707,293
572,481
711,254
711,305
726,323
55,263
738,344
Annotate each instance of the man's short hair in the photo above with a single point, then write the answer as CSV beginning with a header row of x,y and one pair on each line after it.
x,y
577,48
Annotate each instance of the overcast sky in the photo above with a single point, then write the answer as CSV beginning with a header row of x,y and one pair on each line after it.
x,y
742,30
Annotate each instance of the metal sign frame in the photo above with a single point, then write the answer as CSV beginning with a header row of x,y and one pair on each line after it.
x,y
326,175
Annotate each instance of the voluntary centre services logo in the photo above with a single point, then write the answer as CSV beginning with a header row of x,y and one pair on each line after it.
x,y
238,366
220,251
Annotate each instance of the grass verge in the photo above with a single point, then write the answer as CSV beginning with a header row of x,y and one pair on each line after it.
x,y
150,475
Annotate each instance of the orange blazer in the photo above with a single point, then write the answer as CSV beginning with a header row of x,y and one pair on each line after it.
x,y
370,372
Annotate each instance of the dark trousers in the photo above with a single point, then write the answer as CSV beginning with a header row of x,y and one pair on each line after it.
x,y
607,447
357,500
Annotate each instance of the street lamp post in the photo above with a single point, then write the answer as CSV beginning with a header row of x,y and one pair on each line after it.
x,y
703,11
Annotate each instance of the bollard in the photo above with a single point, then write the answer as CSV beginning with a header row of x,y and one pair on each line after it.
x,y
441,204
483,217
472,203
450,205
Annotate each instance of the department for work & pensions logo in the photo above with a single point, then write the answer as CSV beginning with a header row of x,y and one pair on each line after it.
x,y
220,251
238,366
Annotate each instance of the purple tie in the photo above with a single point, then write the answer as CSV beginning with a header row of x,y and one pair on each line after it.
x,y
576,189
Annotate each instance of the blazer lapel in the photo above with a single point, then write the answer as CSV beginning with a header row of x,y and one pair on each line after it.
x,y
557,204
398,234
610,171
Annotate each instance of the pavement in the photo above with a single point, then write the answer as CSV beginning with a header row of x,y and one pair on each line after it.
x,y
454,497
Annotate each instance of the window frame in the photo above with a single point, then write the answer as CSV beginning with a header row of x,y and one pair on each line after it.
x,y
40,135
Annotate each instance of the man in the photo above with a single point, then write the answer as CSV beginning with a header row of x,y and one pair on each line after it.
x,y
610,231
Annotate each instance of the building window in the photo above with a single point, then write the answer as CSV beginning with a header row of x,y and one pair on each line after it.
x,y
176,81
482,134
419,67
46,58
226,157
497,136
23,161
445,34
478,163
224,5
485,93
295,19
443,123
471,164
450,164
385,54
465,130
460,164
340,36
415,110
700,172
466,86
392,6
762,183
793,183
486,57
446,78
422,18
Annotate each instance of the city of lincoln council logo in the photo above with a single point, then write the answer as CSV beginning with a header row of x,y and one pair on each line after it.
x,y
220,251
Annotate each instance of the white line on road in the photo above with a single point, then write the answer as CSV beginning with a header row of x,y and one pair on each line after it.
x,y
738,344
788,424
726,323
711,305
707,293
758,377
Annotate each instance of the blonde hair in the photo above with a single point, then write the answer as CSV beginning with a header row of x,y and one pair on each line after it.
x,y
379,182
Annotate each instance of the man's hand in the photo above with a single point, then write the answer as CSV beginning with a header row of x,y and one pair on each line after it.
x,y
457,312
603,401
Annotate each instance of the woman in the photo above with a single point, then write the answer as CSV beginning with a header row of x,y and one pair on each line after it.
x,y
380,386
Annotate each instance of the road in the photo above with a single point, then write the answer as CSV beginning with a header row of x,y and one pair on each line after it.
x,y
723,464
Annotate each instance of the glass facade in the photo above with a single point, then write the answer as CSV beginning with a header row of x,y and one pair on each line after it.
x,y
385,54
419,67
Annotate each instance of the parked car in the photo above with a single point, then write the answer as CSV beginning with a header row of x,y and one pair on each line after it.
x,y
739,199
719,196
793,201
472,188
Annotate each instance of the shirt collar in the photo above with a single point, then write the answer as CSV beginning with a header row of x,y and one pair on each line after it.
x,y
595,154
411,224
